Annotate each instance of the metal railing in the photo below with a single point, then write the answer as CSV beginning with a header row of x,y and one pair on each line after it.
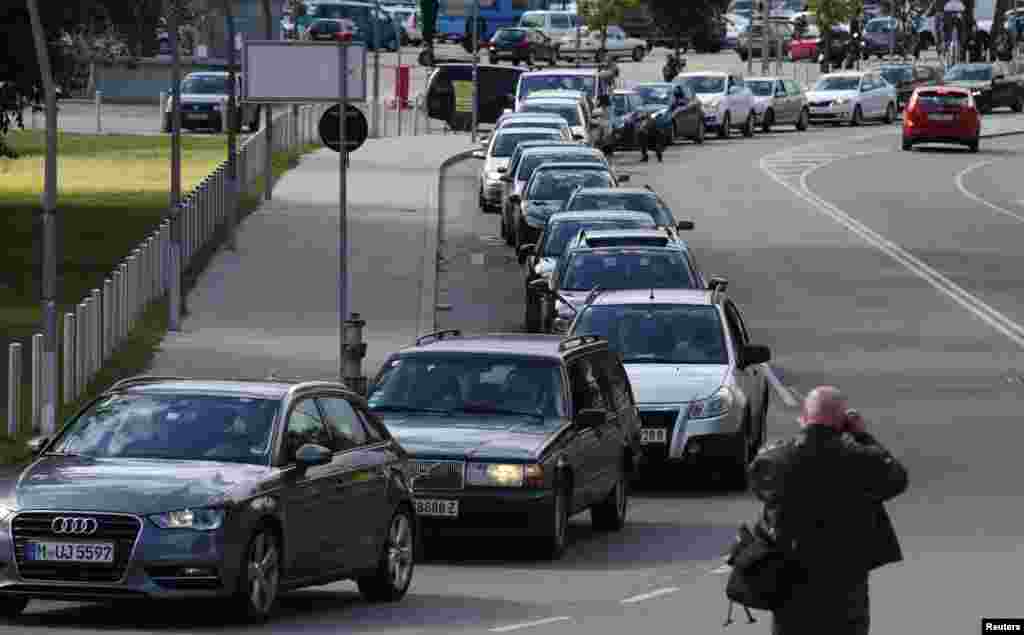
x,y
100,323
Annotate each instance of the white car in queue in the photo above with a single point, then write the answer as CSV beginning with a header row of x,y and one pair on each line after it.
x,y
725,99
700,383
496,155
568,108
533,120
852,96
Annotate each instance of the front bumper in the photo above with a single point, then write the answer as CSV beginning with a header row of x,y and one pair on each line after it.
x,y
492,192
830,113
203,119
491,510
688,439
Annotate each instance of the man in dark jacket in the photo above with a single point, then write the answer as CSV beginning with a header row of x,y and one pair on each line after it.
x,y
823,495
648,137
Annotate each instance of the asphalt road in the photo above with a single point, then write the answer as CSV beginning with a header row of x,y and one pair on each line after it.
x,y
890,274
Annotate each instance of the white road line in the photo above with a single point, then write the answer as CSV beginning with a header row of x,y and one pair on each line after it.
x,y
522,625
783,392
977,199
939,282
650,595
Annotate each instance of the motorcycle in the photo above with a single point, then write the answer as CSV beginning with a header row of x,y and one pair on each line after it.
x,y
673,66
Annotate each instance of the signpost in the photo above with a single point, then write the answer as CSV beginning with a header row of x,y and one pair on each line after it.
x,y
330,73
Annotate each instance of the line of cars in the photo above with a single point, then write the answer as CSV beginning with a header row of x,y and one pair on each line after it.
x,y
526,44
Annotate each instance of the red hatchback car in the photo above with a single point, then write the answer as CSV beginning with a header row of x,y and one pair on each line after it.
x,y
941,114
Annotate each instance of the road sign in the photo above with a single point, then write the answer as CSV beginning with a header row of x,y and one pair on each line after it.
x,y
356,128
295,72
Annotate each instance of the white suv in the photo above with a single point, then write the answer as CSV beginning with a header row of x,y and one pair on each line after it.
x,y
726,100
554,24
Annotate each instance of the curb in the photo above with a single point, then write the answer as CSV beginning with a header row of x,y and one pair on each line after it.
x,y
996,135
433,237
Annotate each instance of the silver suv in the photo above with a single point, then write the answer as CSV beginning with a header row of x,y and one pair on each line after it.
x,y
779,101
699,382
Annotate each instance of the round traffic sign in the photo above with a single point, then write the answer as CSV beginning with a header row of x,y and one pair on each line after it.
x,y
356,128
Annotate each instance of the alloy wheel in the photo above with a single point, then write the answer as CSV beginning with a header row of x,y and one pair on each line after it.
x,y
400,552
263,571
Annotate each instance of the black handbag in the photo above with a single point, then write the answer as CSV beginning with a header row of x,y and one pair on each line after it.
x,y
762,575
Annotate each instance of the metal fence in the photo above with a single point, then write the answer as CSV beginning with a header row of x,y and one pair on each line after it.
x,y
92,332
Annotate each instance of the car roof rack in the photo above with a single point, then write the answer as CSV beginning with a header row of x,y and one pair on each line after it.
x,y
576,341
437,336
144,379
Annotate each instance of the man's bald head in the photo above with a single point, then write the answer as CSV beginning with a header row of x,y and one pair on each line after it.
x,y
824,406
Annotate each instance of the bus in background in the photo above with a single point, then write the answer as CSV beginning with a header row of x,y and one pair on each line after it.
x,y
454,16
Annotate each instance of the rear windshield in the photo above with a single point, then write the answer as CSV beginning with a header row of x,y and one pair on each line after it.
x,y
706,85
838,83
559,234
897,75
941,99
510,35
583,83
569,111
533,123
628,269
506,144
969,74
760,87
632,201
558,185
531,162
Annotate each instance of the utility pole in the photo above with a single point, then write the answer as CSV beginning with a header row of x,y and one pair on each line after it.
x,y
476,64
233,121
175,291
268,159
579,36
49,203
376,69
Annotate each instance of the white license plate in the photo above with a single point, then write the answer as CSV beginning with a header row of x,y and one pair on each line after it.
x,y
90,552
653,435
195,115
940,117
437,508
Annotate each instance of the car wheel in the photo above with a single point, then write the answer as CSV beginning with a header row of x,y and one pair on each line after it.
x,y
529,59
699,137
741,461
556,534
12,606
748,126
532,321
857,116
394,571
1018,105
554,57
638,54
907,144
724,126
890,114
973,145
801,122
492,60
610,514
768,120
510,237
261,575
673,135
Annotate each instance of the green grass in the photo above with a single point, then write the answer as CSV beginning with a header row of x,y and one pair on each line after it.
x,y
101,219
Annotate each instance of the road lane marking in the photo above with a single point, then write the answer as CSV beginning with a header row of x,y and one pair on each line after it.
x,y
977,199
650,595
783,392
939,282
522,625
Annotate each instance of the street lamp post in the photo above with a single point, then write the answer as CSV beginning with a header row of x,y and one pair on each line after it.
x,y
376,69
233,121
476,64
174,259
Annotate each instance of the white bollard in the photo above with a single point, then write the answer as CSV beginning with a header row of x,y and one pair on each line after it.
x,y
99,111
68,363
38,390
13,389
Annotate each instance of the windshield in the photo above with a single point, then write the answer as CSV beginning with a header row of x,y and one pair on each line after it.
x,y
533,123
658,333
879,26
969,74
559,184
628,269
706,84
533,84
535,20
532,162
940,101
569,111
205,85
838,83
655,95
337,11
510,35
760,87
473,383
505,144
632,201
180,427
897,75
559,233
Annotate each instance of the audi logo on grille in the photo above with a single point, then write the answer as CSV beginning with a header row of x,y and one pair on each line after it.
x,y
74,526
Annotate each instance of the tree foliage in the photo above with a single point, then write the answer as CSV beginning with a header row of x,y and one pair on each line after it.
x,y
683,18
598,15
831,13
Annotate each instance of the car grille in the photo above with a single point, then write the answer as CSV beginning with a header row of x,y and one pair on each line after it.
x,y
820,104
665,419
121,530
436,475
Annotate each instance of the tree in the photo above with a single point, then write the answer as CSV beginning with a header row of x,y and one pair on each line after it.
x,y
832,13
598,15
684,19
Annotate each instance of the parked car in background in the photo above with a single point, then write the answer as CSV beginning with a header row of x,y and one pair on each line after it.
x,y
726,101
907,77
446,96
838,49
616,46
405,16
779,32
852,96
676,108
554,24
204,103
990,83
332,30
532,120
779,101
171,488
626,117
512,434
521,46
942,114
593,82
882,37
367,20
804,45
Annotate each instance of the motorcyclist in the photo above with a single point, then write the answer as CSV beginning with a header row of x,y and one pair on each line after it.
x,y
671,67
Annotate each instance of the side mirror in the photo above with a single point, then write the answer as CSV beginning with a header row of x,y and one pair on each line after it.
x,y
540,286
36,445
684,225
579,137
998,78
590,418
506,178
503,169
604,101
623,179
755,354
311,455
526,251
478,154
717,283
515,199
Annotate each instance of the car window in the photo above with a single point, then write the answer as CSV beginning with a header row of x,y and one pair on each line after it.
x,y
557,235
658,333
632,201
628,268
737,318
837,83
535,20
586,389
559,184
569,111
560,21
505,143
706,84
793,88
305,425
346,429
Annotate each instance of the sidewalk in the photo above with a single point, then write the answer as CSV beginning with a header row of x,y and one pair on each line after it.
x,y
273,304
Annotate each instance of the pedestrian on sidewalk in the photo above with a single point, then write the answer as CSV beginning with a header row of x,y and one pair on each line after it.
x,y
649,137
823,495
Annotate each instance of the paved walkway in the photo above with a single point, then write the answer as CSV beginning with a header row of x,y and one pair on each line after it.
x,y
273,303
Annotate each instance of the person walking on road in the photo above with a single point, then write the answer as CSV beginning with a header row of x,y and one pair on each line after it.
x,y
823,495
650,138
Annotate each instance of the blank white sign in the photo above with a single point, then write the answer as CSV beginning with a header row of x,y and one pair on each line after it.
x,y
291,71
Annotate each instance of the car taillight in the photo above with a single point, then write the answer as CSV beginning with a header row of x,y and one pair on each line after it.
x,y
344,36
525,44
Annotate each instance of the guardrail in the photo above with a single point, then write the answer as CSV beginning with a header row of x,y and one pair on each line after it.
x,y
103,319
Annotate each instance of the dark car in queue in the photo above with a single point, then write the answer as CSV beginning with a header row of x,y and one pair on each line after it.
x,y
521,46
541,260
625,116
675,108
169,488
521,168
990,83
637,199
588,268
907,77
547,191
512,434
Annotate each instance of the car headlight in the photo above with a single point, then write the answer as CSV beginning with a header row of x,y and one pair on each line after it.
x,y
494,176
842,101
502,474
5,512
218,107
207,519
561,325
714,406
713,103
975,92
